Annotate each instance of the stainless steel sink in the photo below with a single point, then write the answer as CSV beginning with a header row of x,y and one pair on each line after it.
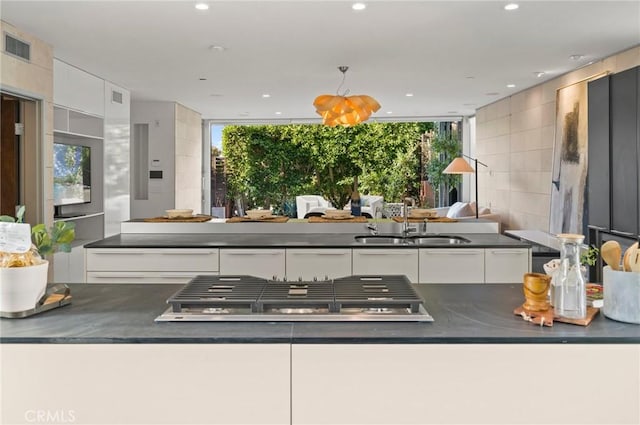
x,y
382,240
439,240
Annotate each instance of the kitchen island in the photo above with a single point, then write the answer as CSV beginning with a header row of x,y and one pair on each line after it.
x,y
476,363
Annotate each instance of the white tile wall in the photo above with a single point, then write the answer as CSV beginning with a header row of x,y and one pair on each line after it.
x,y
515,137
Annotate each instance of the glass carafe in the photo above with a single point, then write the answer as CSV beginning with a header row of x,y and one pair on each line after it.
x,y
569,292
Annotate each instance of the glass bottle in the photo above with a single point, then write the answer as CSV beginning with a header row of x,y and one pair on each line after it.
x,y
569,293
356,207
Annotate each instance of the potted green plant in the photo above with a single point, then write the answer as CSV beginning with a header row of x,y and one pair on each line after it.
x,y
23,275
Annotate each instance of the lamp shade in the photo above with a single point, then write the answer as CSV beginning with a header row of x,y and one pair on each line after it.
x,y
458,166
345,111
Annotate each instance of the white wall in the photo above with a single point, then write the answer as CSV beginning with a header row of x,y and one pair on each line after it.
x,y
116,159
515,137
160,116
188,183
34,80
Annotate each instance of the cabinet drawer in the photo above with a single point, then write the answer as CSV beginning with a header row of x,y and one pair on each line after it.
x,y
143,277
170,260
451,265
318,263
506,265
264,263
386,261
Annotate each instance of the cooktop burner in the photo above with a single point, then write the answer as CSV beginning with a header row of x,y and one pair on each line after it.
x,y
248,298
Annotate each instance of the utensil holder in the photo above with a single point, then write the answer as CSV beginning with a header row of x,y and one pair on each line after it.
x,y
621,295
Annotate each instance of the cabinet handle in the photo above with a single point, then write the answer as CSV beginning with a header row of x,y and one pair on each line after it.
x,y
117,253
436,252
507,252
628,234
188,253
253,253
319,253
119,276
382,253
189,275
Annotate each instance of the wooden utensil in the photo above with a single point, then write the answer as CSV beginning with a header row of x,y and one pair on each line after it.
x,y
627,256
634,261
611,252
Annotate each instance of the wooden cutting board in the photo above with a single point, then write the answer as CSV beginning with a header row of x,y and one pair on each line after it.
x,y
547,318
195,219
421,220
359,219
272,219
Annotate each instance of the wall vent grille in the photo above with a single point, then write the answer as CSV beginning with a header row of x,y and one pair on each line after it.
x,y
116,97
16,47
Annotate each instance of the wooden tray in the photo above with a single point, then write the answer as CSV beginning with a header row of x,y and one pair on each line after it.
x,y
359,219
421,220
272,219
199,218
547,318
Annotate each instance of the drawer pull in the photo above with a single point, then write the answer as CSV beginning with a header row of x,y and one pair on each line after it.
x,y
253,253
118,276
117,253
435,252
508,252
187,253
319,253
383,253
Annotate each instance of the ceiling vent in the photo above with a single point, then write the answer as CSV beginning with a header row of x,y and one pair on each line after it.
x,y
16,47
116,97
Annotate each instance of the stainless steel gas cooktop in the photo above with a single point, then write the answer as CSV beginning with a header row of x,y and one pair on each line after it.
x,y
248,298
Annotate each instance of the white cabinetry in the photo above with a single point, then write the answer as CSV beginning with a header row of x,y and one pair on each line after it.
x,y
265,263
77,89
318,263
458,384
451,265
506,265
386,261
150,265
217,383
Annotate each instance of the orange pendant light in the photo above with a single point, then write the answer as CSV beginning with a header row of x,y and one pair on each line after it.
x,y
344,110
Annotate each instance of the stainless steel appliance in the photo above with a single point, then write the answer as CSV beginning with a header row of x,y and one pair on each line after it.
x,y
248,298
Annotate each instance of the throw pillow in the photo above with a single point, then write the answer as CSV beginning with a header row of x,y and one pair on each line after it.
x,y
484,211
460,209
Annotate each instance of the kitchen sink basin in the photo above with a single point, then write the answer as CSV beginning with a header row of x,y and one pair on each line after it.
x,y
382,240
439,240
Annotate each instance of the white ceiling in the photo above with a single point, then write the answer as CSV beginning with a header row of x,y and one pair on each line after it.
x,y
450,54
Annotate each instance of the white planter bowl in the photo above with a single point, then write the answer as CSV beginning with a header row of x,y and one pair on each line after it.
x,y
22,287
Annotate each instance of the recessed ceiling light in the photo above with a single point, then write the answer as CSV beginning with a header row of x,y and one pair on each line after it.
x,y
493,93
539,74
217,48
266,95
511,85
470,77
389,112
202,6
511,6
358,6
278,113
452,112
409,94
576,57
215,95
203,79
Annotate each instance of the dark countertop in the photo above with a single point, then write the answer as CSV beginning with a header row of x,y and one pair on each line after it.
x,y
464,314
281,240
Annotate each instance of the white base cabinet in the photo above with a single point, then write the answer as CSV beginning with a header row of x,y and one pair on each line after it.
x,y
386,262
310,264
146,384
149,265
442,265
264,263
506,265
462,384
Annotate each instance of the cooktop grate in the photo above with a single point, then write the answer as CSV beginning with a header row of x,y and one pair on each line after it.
x,y
297,295
377,292
218,292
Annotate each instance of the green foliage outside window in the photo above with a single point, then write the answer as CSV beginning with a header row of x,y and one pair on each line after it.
x,y
271,164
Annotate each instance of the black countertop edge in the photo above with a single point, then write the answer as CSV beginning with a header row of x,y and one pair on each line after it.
x,y
327,340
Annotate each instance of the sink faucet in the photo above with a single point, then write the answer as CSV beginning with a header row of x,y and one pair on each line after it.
x,y
373,228
405,213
